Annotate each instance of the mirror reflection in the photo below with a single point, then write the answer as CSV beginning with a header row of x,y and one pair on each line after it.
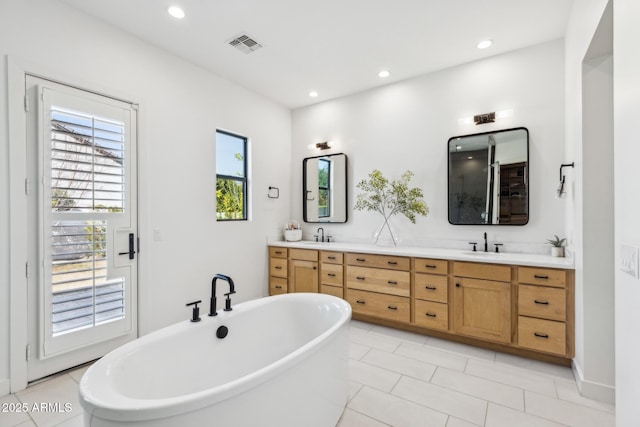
x,y
324,188
489,178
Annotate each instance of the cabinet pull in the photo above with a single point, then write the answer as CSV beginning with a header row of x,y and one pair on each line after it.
x,y
392,282
545,336
331,257
392,307
392,262
360,277
279,252
277,267
430,266
431,288
431,314
541,302
278,287
331,274
540,276
360,259
360,301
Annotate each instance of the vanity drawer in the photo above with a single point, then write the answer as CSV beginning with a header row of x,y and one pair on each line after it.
x,y
432,266
278,267
543,276
379,305
331,274
277,252
543,335
379,280
303,254
431,287
501,273
332,290
542,302
434,315
277,285
379,261
331,257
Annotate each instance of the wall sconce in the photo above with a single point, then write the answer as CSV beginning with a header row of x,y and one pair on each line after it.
x,y
323,145
560,192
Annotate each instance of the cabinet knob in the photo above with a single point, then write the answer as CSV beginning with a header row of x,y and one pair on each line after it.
x,y
457,285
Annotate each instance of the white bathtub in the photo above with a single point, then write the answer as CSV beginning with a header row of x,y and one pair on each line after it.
x,y
283,363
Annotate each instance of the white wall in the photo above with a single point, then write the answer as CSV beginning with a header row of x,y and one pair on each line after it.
x,y
406,125
627,206
590,221
181,106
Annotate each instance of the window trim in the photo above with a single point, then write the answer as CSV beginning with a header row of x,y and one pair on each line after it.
x,y
244,180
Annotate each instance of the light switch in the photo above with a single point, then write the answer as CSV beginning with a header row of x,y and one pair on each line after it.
x,y
629,260
157,236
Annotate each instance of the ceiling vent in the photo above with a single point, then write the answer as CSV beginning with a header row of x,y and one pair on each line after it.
x,y
244,43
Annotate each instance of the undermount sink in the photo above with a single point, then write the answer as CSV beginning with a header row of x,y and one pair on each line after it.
x,y
483,254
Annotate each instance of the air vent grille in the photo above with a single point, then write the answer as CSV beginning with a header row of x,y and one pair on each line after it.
x,y
244,43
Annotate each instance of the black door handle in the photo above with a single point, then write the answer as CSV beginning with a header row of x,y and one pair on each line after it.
x,y
132,251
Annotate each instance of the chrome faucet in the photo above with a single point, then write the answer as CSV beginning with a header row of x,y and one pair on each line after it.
x,y
321,236
232,290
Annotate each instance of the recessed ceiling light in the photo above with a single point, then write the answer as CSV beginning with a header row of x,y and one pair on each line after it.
x,y
384,73
484,44
176,12
313,94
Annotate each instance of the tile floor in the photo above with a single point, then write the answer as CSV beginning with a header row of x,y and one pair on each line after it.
x,y
399,379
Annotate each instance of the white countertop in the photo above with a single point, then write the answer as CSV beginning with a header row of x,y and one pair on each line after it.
x,y
533,260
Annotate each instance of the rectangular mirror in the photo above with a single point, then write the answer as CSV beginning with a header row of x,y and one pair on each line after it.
x,y
324,188
489,178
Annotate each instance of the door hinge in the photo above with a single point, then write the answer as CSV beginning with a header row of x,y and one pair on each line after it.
x,y
27,186
28,352
26,103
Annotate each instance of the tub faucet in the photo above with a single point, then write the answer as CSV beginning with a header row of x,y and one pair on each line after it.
x,y
321,236
232,290
486,246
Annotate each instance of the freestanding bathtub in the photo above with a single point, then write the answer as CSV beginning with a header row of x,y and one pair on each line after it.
x,y
283,363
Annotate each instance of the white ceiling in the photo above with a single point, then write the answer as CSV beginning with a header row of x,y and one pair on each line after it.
x,y
335,47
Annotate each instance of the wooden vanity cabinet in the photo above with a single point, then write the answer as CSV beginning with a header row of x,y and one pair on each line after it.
x,y
379,286
544,305
332,273
482,301
278,270
303,270
431,294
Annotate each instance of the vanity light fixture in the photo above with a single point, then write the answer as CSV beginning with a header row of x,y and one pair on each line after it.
x,y
176,12
323,145
384,74
480,119
484,44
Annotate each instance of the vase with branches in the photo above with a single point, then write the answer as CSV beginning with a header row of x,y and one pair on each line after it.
x,y
389,198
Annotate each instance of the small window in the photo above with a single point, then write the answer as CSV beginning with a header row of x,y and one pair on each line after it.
x,y
231,177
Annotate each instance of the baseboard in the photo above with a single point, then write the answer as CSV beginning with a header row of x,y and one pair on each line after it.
x,y
5,387
592,390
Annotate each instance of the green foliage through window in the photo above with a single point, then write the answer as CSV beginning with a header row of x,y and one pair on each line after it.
x,y
231,177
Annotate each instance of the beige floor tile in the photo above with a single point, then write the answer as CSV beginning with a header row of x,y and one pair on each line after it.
x,y
457,422
567,413
568,390
56,400
373,340
13,411
395,411
398,334
500,416
548,369
441,399
372,376
511,375
355,419
431,355
357,351
502,394
400,364
462,349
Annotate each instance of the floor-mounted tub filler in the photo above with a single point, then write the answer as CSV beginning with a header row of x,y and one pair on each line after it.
x,y
282,363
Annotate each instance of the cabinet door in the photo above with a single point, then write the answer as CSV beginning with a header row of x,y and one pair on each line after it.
x,y
482,309
303,276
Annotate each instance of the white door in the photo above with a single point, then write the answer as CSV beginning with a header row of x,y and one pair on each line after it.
x,y
81,156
